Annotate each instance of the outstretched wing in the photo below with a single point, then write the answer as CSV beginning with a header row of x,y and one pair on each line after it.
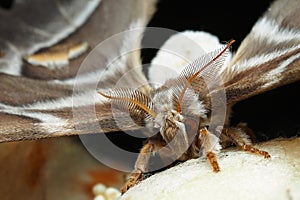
x,y
269,56
40,101
26,28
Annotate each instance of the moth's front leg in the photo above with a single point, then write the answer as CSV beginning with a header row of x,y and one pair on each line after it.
x,y
210,144
239,137
141,166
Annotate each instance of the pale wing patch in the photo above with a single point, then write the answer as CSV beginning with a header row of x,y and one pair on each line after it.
x,y
271,33
274,76
77,100
52,123
268,57
269,30
57,59
10,62
258,60
30,33
48,123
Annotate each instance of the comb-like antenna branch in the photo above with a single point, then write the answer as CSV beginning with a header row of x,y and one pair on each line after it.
x,y
194,76
131,100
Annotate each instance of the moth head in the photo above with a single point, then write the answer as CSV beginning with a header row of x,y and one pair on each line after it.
x,y
157,113
171,126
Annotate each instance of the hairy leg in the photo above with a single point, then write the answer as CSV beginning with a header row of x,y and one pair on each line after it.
x,y
142,162
239,137
141,166
247,130
209,143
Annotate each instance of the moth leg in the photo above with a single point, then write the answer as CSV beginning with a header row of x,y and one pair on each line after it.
x,y
210,144
239,137
247,130
141,166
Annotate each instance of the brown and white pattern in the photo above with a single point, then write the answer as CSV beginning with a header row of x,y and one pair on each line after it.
x,y
37,101
269,56
27,28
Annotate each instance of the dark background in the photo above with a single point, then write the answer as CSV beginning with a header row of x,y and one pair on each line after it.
x,y
6,4
272,114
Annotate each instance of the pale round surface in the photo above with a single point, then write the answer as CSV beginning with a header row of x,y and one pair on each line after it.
x,y
243,176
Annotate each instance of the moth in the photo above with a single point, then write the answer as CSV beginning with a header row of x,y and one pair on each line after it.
x,y
39,107
180,106
181,109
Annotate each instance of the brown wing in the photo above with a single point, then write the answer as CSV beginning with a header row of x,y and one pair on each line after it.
x,y
40,102
269,55
27,28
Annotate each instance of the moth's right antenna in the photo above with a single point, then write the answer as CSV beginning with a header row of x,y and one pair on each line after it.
x,y
195,75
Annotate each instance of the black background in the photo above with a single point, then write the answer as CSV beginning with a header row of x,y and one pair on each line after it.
x,y
6,4
272,114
